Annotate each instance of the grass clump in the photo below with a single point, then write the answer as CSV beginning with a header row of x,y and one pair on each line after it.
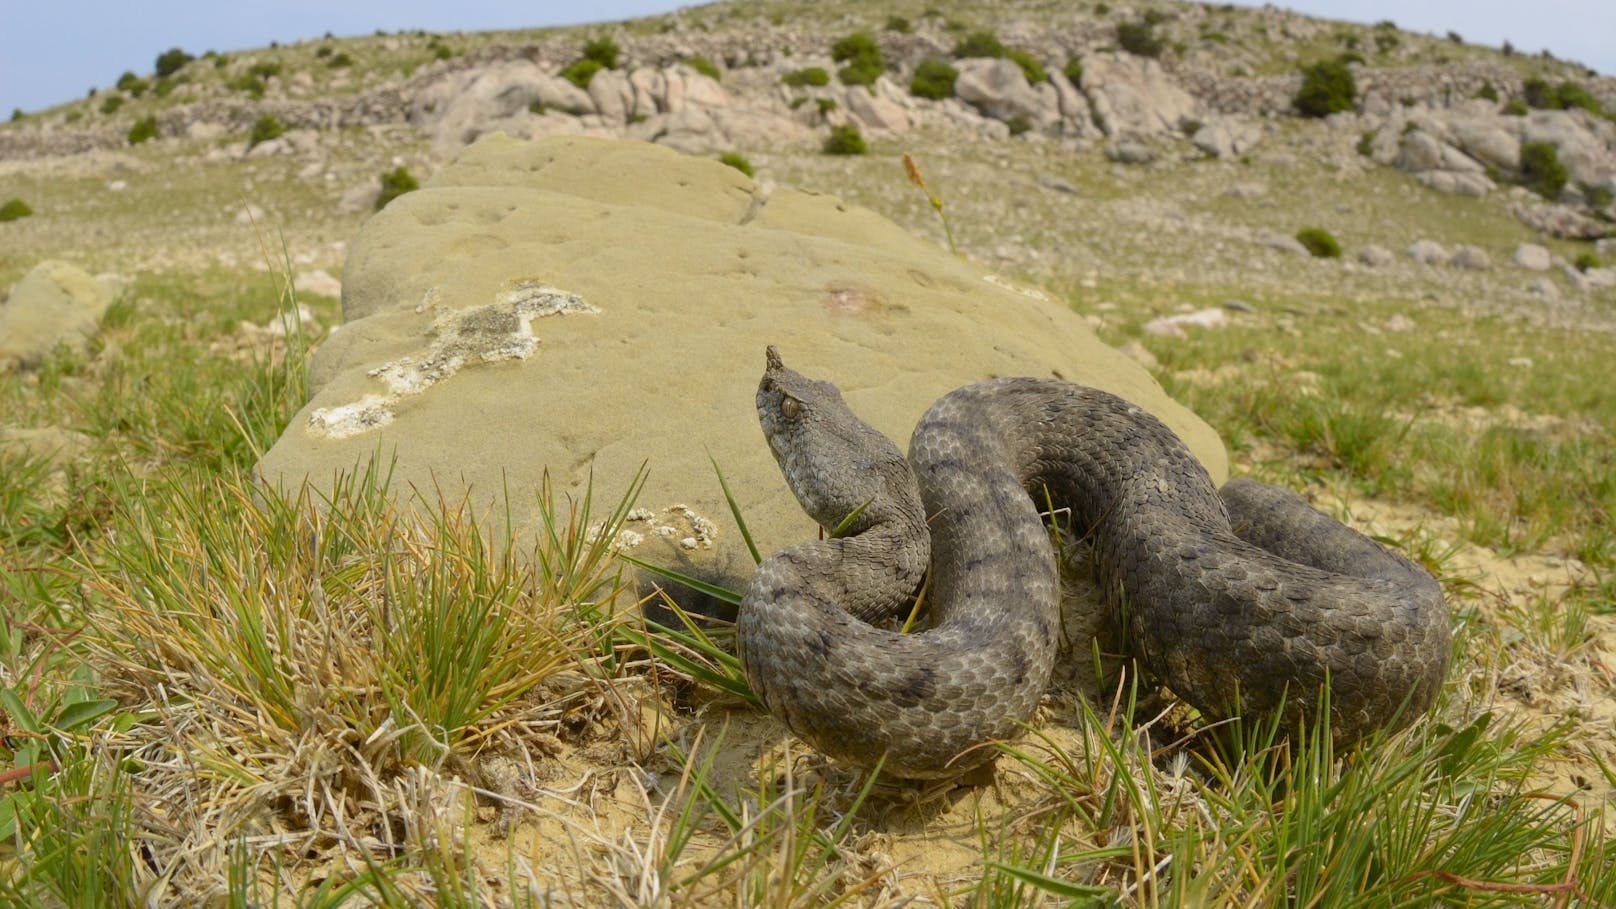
x,y
844,140
172,61
395,183
1030,67
111,104
979,44
581,71
1320,242
1139,38
248,84
14,209
265,128
737,161
1541,170
1073,70
898,24
807,76
1328,87
602,50
133,84
933,79
862,58
339,60
704,66
145,129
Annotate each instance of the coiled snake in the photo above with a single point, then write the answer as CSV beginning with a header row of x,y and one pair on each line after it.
x,y
1251,615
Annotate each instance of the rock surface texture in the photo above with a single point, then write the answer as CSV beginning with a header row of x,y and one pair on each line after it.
x,y
55,303
578,305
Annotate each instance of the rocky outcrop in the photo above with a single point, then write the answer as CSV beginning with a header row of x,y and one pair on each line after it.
x,y
1133,97
55,303
582,307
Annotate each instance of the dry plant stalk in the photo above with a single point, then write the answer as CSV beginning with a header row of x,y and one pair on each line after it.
x,y
915,177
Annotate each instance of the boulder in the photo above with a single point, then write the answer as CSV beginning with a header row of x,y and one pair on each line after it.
x,y
1226,136
1532,257
874,112
612,95
1375,256
1428,252
998,88
1133,96
582,307
54,303
1473,258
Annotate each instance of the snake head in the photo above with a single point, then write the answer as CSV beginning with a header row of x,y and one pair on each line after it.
x,y
834,462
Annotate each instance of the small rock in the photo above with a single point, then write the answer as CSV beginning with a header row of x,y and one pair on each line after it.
x,y
1171,326
1471,257
1521,362
1126,152
52,443
1239,306
1285,243
250,214
319,283
1399,322
1428,252
54,303
1545,288
1375,256
1533,257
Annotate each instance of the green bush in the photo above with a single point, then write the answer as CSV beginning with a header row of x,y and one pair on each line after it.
x,y
1598,196
1018,124
1327,88
1585,261
933,79
1541,170
845,140
1366,143
736,161
143,130
1030,67
339,60
898,24
395,183
265,69
1514,107
1564,96
247,82
862,56
265,128
1487,92
14,209
111,103
979,44
1139,38
1319,242
581,71
16,114
825,105
603,51
172,61
811,75
1074,71
131,83
705,67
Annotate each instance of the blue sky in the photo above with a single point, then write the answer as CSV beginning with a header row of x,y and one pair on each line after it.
x,y
51,52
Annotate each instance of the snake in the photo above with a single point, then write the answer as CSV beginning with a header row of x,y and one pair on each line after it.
x,y
1243,602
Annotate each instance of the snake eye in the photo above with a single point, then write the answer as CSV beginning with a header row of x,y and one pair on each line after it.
x,y
790,407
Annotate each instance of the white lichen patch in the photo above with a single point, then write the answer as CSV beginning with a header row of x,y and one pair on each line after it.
x,y
501,330
680,524
363,415
1016,287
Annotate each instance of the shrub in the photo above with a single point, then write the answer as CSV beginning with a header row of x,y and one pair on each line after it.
x,y
933,79
395,183
1074,71
1030,67
265,69
131,83
143,130
1139,38
1366,143
172,61
898,24
862,56
811,75
111,103
1541,170
705,67
265,128
1514,107
845,140
581,71
339,60
1018,124
1540,94
825,105
979,44
1327,88
1319,242
1598,196
603,51
14,209
248,83
736,161
16,114
1487,92
1585,261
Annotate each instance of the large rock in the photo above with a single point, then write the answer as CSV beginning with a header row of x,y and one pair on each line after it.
x,y
998,88
54,303
585,306
1134,96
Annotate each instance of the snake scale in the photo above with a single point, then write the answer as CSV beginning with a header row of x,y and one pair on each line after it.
x,y
1254,614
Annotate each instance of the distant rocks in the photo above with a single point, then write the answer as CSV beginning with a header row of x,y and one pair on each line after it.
x,y
55,303
1376,256
1532,257
1428,252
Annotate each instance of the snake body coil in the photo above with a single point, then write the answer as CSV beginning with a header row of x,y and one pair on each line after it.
x,y
1252,616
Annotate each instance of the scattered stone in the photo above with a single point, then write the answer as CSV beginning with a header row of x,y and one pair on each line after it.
x,y
1545,288
1471,257
1126,152
1172,326
318,282
1239,306
1133,96
1532,257
54,303
52,444
1521,362
1226,136
1428,252
998,88
1375,256
1285,243
1050,181
1399,322
361,197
